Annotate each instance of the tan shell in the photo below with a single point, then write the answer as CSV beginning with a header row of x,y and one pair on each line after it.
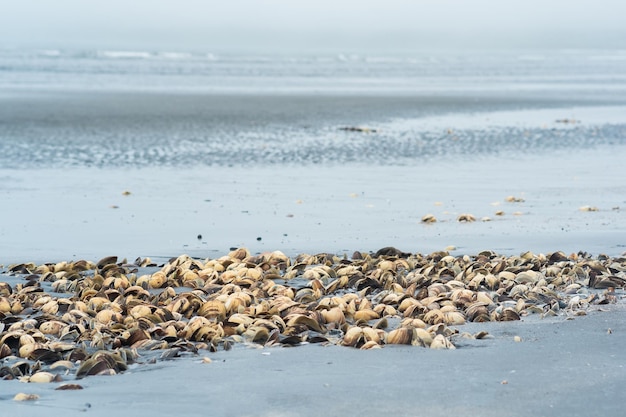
x,y
213,310
401,336
43,377
429,218
334,315
353,336
440,342
370,345
422,337
25,397
53,327
466,217
157,280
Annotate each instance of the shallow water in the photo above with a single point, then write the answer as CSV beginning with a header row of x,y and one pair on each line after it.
x,y
250,151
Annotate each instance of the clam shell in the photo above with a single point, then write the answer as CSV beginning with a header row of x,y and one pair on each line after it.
x,y
157,280
429,218
353,337
257,334
213,310
370,345
422,337
43,377
334,315
312,324
401,336
5,351
52,327
365,315
440,342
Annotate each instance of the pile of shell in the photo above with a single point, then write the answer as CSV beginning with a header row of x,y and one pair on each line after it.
x,y
84,318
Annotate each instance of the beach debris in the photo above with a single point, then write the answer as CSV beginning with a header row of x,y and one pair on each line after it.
x,y
126,193
359,129
429,218
466,218
588,208
517,339
567,121
513,199
86,318
69,387
499,213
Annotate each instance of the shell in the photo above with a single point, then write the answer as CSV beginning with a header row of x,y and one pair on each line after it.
x,y
157,280
401,336
354,337
334,315
213,310
440,342
466,217
429,218
43,377
25,397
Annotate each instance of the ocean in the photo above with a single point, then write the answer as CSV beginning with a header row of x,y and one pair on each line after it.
x,y
139,108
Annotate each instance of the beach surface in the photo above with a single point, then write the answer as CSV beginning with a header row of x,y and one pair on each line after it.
x,y
157,174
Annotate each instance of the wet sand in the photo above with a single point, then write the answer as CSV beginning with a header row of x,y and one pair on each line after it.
x,y
53,215
562,367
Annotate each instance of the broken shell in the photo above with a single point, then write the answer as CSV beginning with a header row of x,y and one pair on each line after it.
x,y
25,397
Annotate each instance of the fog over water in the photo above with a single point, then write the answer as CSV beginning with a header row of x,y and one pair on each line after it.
x,y
282,25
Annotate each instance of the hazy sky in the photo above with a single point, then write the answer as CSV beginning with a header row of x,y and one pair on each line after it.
x,y
321,25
